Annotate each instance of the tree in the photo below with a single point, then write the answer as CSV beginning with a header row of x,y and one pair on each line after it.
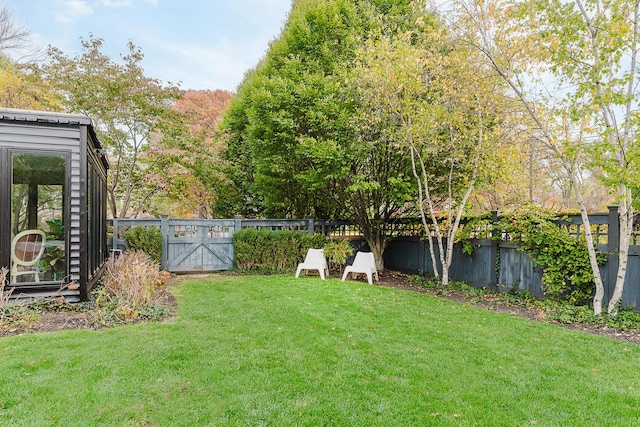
x,y
583,54
292,133
204,109
12,34
129,110
446,115
194,175
22,87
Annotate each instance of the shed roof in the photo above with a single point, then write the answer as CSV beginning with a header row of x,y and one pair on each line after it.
x,y
44,117
34,116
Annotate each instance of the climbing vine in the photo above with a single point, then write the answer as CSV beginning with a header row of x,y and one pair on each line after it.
x,y
563,258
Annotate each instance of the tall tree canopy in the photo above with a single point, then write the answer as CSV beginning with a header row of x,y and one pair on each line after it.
x,y
583,56
293,128
22,87
194,179
129,110
442,109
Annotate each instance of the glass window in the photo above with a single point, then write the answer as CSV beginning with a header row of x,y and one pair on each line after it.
x,y
37,217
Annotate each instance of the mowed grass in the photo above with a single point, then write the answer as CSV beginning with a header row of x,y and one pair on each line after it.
x,y
280,351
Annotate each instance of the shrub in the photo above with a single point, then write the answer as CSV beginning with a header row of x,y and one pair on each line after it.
x,y
272,251
146,239
338,250
132,289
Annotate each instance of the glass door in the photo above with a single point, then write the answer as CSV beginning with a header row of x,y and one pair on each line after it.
x,y
38,247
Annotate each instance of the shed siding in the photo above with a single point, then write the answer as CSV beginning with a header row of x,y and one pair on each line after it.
x,y
46,136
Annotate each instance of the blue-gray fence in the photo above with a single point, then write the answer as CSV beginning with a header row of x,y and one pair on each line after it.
x,y
501,266
206,245
191,245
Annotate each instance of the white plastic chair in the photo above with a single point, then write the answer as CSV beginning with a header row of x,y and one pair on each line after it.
x,y
26,250
364,262
314,260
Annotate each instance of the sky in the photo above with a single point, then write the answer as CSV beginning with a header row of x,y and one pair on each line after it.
x,y
201,44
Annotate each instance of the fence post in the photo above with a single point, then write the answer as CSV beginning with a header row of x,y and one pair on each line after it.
x,y
115,243
311,226
422,253
613,246
493,274
238,223
164,229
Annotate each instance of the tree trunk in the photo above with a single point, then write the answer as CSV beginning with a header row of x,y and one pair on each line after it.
x,y
377,246
626,229
423,217
593,259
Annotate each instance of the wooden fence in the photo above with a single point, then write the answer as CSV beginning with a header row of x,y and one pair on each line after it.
x,y
205,245
191,245
501,266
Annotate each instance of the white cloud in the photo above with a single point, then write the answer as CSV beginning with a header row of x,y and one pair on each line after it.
x,y
198,67
71,10
126,3
116,3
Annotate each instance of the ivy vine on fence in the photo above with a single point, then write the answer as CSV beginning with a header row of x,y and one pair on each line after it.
x,y
562,257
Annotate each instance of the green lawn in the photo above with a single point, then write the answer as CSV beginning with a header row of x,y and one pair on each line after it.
x,y
279,351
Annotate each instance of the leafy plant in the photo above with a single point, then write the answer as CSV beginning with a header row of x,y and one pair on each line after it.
x,y
56,230
474,228
13,316
563,258
146,239
338,250
53,257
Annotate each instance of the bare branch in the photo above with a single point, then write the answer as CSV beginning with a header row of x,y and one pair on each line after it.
x,y
12,34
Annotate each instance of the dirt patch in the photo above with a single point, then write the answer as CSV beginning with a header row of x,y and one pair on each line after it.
x,y
50,321
71,317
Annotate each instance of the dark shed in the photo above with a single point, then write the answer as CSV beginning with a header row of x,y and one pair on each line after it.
x,y
53,195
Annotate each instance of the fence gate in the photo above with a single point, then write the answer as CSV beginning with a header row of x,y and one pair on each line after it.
x,y
198,245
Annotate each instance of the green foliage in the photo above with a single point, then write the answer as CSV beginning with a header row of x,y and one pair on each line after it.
x,y
272,251
291,128
146,239
552,311
563,258
476,294
295,139
625,320
17,317
53,258
56,230
479,227
338,250
127,107
22,86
